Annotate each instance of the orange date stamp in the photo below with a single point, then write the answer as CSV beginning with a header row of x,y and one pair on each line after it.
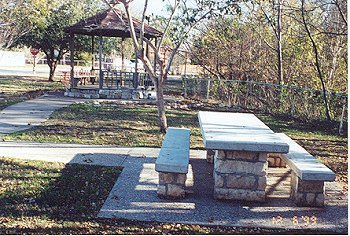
x,y
295,220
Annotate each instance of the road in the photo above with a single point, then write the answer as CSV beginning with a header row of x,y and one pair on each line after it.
x,y
27,70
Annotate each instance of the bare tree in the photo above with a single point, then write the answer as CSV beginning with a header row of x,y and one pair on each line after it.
x,y
184,17
273,16
317,60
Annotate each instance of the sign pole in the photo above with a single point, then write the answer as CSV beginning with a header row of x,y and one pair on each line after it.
x,y
34,52
34,64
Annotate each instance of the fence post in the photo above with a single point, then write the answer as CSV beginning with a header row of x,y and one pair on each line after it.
x,y
208,89
341,128
184,85
292,101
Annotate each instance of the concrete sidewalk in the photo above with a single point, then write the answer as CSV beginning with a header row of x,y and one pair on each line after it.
x,y
74,153
24,115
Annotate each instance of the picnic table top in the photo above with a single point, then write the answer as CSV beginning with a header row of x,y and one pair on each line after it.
x,y
238,132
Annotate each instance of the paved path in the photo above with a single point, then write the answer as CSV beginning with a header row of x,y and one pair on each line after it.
x,y
24,115
74,153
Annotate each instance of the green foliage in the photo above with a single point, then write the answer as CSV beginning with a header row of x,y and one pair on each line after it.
x,y
50,36
303,104
18,17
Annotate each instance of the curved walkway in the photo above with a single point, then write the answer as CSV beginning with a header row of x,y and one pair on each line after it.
x,y
24,115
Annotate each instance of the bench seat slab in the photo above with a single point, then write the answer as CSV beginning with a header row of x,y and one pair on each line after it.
x,y
308,176
304,164
173,161
177,138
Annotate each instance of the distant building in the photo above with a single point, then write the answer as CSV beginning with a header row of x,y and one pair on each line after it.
x,y
8,58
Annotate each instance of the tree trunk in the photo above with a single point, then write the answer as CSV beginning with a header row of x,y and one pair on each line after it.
x,y
161,105
317,61
53,65
279,43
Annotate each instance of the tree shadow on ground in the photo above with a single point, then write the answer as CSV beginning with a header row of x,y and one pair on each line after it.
x,y
72,193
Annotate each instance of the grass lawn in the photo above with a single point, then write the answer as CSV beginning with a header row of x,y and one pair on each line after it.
x,y
15,89
110,124
132,124
53,198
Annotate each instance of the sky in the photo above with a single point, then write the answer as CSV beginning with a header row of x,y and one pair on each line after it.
x,y
154,6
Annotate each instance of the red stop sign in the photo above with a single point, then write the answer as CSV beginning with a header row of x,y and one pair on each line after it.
x,y
34,51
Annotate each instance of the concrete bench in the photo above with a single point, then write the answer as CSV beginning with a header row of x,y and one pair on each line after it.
x,y
308,175
172,163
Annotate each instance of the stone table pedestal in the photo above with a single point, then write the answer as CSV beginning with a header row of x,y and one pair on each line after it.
x,y
240,175
242,142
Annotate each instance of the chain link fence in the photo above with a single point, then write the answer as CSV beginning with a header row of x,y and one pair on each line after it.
x,y
271,98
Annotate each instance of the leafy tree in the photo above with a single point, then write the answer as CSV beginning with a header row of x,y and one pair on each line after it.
x,y
51,38
18,17
224,48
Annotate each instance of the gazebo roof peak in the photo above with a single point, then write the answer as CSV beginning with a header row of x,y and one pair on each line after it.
x,y
111,23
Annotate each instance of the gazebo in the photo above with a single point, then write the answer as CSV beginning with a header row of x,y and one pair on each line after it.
x,y
109,23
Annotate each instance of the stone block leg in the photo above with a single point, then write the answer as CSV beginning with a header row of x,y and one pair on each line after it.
x,y
240,175
171,185
307,192
210,156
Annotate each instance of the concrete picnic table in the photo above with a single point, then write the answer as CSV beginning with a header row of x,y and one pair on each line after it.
x,y
242,143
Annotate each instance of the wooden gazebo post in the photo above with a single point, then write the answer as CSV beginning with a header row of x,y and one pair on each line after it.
x,y
100,83
136,75
155,56
122,70
92,52
71,48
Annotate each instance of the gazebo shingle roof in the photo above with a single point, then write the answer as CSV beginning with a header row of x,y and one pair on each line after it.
x,y
109,24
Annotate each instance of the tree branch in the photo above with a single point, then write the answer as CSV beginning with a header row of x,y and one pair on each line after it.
x,y
143,23
176,5
341,12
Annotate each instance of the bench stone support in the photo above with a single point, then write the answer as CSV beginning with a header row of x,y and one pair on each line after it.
x,y
240,175
171,185
307,192
275,160
172,163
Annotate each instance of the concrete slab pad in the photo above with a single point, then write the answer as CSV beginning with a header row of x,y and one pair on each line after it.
x,y
24,115
134,197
